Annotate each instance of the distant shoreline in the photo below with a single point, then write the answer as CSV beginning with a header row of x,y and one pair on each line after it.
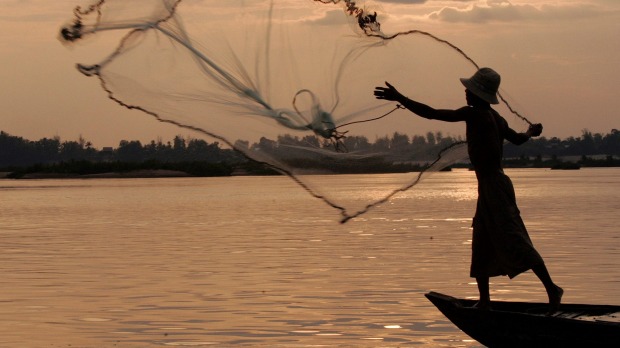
x,y
165,173
134,174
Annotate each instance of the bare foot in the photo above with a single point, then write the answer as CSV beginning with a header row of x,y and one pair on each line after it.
x,y
555,299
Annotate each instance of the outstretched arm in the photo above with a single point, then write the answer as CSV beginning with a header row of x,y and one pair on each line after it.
x,y
423,110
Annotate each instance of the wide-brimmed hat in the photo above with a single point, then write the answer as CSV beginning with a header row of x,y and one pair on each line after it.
x,y
484,84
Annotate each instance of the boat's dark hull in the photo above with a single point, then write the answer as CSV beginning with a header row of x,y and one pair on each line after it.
x,y
522,324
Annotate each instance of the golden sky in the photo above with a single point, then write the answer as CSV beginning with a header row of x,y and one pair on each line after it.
x,y
558,61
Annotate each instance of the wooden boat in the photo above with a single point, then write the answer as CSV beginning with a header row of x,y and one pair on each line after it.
x,y
524,324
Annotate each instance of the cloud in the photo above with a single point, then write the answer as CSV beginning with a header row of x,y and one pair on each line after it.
x,y
505,11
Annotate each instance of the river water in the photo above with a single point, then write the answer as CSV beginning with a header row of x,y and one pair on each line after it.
x,y
256,261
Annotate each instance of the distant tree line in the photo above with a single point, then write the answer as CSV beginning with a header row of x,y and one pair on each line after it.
x,y
19,152
198,157
588,144
51,155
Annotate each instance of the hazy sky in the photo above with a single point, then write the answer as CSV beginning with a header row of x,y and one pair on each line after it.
x,y
559,60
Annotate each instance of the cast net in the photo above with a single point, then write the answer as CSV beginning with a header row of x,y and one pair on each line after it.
x,y
286,83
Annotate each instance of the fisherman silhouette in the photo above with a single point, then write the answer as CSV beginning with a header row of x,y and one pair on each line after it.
x,y
501,244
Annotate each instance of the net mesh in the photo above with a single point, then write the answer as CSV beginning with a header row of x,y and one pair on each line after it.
x,y
287,86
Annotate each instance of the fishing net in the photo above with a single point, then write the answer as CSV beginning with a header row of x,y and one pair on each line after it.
x,y
286,83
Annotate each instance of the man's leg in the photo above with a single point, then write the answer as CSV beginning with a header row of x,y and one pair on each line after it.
x,y
553,291
485,296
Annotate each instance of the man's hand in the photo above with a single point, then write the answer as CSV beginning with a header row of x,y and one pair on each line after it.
x,y
388,93
535,130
